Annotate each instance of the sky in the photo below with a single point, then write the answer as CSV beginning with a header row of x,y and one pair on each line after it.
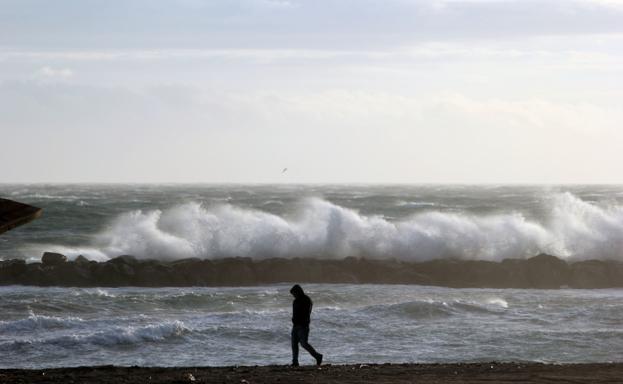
x,y
342,91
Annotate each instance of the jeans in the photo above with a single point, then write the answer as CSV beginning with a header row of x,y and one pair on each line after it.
x,y
300,333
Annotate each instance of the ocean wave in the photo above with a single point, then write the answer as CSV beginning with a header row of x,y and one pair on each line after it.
x,y
242,334
418,309
103,293
44,196
498,301
571,229
416,204
98,292
38,322
128,335
136,335
424,309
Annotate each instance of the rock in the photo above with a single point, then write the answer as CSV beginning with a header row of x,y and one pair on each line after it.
x,y
14,214
546,271
81,260
590,274
12,269
124,259
13,263
52,258
108,275
186,261
72,274
38,274
153,273
542,271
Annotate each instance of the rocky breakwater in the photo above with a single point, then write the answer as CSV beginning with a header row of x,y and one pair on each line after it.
x,y
542,271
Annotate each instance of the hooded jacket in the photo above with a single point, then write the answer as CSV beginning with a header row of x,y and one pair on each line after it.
x,y
301,307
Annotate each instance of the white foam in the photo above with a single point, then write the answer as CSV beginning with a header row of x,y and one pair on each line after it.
x,y
573,229
415,204
103,293
136,335
36,322
498,302
110,337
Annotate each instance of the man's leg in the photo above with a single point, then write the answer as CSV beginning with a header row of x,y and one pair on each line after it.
x,y
303,336
295,346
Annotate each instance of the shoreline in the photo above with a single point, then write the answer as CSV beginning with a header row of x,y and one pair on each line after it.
x,y
493,372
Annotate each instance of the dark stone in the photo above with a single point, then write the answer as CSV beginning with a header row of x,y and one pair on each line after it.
x,y
14,214
153,273
81,260
542,271
52,258
546,271
10,270
125,259
35,275
591,274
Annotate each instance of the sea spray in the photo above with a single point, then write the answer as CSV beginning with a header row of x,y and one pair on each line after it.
x,y
218,221
571,229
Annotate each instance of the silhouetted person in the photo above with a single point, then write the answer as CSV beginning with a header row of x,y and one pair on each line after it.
x,y
301,310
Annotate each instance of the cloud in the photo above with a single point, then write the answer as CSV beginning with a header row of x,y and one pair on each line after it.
x,y
295,24
618,4
533,117
173,54
176,133
438,90
51,74
66,105
597,52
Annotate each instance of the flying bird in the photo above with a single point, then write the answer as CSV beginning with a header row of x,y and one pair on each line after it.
x,y
284,170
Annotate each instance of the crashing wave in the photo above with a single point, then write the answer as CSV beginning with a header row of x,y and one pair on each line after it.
x,y
572,229
38,322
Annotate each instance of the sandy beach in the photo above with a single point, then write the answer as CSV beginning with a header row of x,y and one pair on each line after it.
x,y
360,373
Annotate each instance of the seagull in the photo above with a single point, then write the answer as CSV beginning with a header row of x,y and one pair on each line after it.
x,y
284,170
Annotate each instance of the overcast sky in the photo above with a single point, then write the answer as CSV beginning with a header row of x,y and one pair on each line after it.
x,y
367,91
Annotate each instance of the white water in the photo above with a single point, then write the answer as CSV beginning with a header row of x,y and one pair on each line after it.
x,y
570,228
44,327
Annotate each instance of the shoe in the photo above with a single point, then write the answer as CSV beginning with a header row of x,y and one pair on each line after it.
x,y
294,364
319,359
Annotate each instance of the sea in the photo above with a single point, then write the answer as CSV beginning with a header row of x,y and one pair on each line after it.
x,y
224,326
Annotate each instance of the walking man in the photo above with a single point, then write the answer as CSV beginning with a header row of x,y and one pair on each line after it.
x,y
301,310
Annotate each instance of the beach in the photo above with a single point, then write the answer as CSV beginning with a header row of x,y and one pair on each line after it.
x,y
358,373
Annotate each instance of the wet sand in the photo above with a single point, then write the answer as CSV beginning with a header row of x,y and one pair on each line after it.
x,y
360,373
